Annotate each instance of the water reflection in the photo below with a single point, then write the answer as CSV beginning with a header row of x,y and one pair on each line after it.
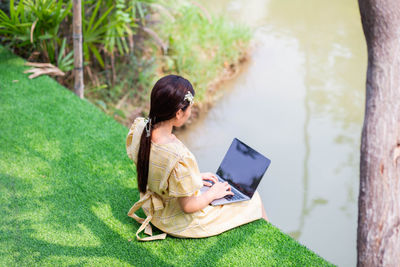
x,y
304,87
332,88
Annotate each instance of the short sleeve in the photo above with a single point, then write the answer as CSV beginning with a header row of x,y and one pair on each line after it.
x,y
184,179
133,138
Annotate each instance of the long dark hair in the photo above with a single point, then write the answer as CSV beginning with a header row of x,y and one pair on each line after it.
x,y
167,98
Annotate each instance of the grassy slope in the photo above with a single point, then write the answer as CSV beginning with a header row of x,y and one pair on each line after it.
x,y
66,185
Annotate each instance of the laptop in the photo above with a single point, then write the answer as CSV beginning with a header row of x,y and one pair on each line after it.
x,y
243,168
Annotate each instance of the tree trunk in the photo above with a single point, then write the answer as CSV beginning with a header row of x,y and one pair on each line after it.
x,y
78,59
378,235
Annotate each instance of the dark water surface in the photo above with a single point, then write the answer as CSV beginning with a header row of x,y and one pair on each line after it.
x,y
300,102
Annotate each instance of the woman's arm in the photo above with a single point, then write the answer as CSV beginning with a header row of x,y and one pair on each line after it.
x,y
194,203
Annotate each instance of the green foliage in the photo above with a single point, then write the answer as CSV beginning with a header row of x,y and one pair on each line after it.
x,y
16,27
122,27
66,185
106,27
65,61
201,45
34,24
94,30
198,49
38,25
135,79
49,14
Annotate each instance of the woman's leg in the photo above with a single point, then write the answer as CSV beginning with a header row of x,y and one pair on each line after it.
x,y
264,214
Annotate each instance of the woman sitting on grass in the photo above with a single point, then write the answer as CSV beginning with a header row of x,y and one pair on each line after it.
x,y
169,180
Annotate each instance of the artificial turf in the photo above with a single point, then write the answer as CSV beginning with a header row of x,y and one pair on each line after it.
x,y
66,185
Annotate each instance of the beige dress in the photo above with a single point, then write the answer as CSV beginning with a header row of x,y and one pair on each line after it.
x,y
173,173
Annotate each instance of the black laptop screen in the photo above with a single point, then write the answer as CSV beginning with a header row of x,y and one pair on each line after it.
x,y
243,167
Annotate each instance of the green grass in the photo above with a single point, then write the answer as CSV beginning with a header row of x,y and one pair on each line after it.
x,y
66,185
200,49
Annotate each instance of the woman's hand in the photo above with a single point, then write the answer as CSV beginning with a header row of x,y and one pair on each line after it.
x,y
219,190
195,203
216,191
208,176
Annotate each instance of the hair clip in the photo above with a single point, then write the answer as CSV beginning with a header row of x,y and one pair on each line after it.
x,y
147,126
189,97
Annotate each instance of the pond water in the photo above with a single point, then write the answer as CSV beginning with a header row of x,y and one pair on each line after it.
x,y
300,101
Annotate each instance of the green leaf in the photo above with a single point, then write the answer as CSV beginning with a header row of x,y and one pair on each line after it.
x,y
94,13
97,54
12,9
62,50
45,36
3,16
100,20
86,53
120,50
66,11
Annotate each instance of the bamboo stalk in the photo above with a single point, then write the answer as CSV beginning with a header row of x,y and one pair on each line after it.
x,y
78,58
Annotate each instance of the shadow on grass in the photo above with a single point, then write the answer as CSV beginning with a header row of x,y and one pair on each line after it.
x,y
60,197
26,241
224,244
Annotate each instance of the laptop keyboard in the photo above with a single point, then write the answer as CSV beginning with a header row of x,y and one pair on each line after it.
x,y
236,195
